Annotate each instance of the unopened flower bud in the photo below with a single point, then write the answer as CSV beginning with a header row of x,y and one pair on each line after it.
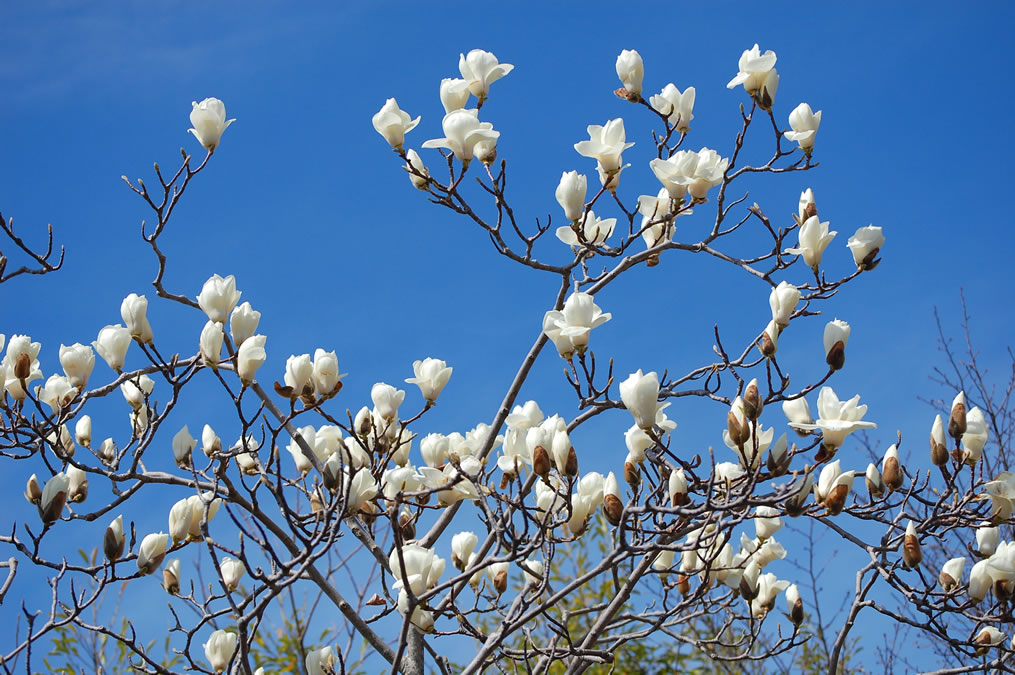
x,y
795,605
540,461
33,492
957,421
54,496
769,343
875,483
571,465
683,585
171,576
938,447
951,573
83,431
112,541
891,471
911,553
632,474
753,402
836,337
500,581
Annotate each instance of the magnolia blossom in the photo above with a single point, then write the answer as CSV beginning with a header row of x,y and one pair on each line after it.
x,y
393,123
243,323
136,390
462,546
676,487
54,497
151,552
766,522
430,376
951,573
814,239
57,393
83,430
77,484
21,365
708,172
728,473
835,338
874,480
980,580
218,297
112,541
795,605
637,443
209,120
783,300
454,93
211,444
219,649
804,124
325,375
212,336
299,373
676,106
171,576
797,411
594,230
837,419
758,75
320,661
134,311
414,566
675,172
768,343
481,69
570,194
975,436
232,571
250,357
462,132
419,176
865,245
77,362
386,400
640,394
769,588
606,144
833,486
631,70
657,221
570,327
988,637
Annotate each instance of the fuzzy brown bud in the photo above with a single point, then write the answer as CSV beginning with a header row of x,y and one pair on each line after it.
x,y
500,582
912,555
22,366
170,582
613,508
739,431
835,501
33,492
752,402
540,461
571,465
938,453
632,474
684,585
836,357
892,473
796,612
957,421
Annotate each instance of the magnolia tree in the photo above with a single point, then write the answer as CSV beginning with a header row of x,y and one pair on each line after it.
x,y
294,490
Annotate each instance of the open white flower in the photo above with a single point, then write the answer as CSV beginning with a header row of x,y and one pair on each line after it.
x,y
571,326
481,69
462,132
631,71
675,105
814,239
218,297
393,123
431,375
594,231
836,419
865,245
804,123
606,144
209,120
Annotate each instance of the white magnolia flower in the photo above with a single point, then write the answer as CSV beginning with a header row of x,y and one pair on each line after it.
x,y
631,71
676,106
54,497
833,486
386,400
481,69
112,344
212,336
758,75
83,430
218,297
594,230
430,376
837,419
570,327
135,390
835,338
462,132
243,323
951,573
183,447
57,393
676,172
326,375
987,539
77,362
708,172
299,373
232,571
151,552
219,649
814,239
419,176
570,194
320,661
462,546
640,394
766,522
250,357
134,311
783,300
393,123
606,144
975,436
865,246
804,124
454,93
209,120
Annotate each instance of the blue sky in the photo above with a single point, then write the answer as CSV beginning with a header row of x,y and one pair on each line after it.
x,y
308,207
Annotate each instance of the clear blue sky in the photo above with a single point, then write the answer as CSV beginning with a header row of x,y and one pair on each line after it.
x,y
307,206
